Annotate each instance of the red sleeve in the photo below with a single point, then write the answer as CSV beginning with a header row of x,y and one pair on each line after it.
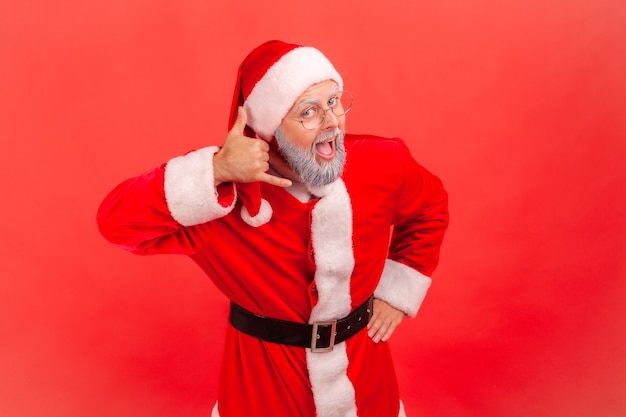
x,y
168,209
420,220
419,223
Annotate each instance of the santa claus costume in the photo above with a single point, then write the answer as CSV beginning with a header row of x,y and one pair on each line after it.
x,y
301,255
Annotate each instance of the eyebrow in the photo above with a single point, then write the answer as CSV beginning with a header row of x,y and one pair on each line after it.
x,y
334,90
313,101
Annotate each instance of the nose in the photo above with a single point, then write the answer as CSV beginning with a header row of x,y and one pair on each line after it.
x,y
330,119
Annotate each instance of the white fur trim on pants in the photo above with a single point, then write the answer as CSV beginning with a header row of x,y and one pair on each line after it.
x,y
216,413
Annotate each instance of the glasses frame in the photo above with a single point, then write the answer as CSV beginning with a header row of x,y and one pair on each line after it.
x,y
324,111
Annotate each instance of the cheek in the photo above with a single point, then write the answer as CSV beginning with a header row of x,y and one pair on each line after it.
x,y
304,140
298,136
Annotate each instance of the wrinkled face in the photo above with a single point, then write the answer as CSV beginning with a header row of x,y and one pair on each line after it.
x,y
317,155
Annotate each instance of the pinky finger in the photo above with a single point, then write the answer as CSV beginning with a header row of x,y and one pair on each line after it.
x,y
277,181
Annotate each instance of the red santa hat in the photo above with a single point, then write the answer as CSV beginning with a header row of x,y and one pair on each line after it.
x,y
269,81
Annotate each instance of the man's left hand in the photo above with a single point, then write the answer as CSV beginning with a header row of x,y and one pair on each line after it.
x,y
384,321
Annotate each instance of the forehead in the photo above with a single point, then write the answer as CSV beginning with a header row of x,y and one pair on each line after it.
x,y
316,92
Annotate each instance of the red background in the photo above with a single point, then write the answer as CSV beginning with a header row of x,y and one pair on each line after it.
x,y
518,105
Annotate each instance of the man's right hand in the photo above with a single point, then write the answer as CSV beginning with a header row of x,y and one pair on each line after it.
x,y
243,159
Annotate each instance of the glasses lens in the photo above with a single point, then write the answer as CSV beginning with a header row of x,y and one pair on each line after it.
x,y
345,102
315,115
314,118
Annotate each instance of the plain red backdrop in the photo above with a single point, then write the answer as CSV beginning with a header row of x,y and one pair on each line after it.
x,y
518,105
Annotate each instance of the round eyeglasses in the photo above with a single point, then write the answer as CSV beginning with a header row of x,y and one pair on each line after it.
x,y
312,115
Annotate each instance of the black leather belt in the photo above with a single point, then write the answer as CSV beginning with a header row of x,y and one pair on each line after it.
x,y
320,336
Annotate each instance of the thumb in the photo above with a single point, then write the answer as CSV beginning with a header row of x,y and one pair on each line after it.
x,y
240,123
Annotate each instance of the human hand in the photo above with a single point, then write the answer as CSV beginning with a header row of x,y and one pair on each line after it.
x,y
385,319
243,159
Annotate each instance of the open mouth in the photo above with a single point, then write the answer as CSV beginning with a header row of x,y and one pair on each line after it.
x,y
325,149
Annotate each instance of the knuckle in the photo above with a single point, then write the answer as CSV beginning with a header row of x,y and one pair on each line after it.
x,y
258,165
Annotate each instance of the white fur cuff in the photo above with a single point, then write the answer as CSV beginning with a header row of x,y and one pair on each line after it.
x,y
402,287
190,188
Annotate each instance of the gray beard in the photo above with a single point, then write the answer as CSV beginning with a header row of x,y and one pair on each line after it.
x,y
304,164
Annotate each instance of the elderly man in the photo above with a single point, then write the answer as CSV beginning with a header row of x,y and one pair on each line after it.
x,y
291,219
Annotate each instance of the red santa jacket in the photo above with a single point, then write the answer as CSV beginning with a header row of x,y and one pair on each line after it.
x,y
314,259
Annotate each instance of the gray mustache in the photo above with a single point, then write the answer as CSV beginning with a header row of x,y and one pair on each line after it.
x,y
327,135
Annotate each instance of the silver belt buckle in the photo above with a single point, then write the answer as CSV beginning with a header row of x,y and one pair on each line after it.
x,y
315,336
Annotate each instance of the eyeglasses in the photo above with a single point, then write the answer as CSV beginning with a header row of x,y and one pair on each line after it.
x,y
312,115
